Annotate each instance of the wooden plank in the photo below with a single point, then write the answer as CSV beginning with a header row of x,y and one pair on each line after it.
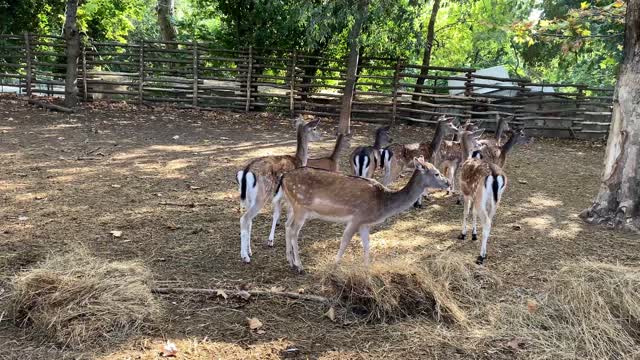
x,y
292,84
250,64
195,73
29,65
85,96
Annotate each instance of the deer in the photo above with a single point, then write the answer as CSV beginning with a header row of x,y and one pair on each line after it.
x,y
502,128
482,184
452,154
331,163
366,159
396,157
356,201
258,180
498,154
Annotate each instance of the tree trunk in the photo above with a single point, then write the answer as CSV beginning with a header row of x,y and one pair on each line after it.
x,y
72,38
165,9
352,66
426,57
618,201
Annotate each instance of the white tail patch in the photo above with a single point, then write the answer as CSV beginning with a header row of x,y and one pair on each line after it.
x,y
486,204
247,188
356,164
501,185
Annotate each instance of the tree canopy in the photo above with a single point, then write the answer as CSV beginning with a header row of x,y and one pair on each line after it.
x,y
553,40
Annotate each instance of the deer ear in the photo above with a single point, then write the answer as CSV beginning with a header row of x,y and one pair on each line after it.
x,y
478,133
419,162
313,124
297,121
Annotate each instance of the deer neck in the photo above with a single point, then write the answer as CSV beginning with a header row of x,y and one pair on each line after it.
x,y
466,146
378,143
398,201
509,144
336,150
500,129
302,153
434,147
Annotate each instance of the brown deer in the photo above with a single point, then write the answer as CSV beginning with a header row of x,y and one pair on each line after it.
x,y
396,157
331,163
498,154
358,202
482,184
452,154
366,159
501,129
258,181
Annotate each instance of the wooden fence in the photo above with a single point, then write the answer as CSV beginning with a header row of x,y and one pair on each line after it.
x,y
199,75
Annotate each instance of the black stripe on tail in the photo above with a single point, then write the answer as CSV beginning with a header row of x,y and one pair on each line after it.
x,y
495,188
361,157
243,186
385,153
279,184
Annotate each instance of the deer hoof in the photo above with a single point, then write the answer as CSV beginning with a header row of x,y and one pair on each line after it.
x,y
462,236
474,237
417,205
270,243
246,259
458,202
298,269
480,260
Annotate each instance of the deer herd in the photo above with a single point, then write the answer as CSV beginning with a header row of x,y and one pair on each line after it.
x,y
314,188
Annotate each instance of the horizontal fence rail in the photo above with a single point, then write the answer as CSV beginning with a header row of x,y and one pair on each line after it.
x,y
201,75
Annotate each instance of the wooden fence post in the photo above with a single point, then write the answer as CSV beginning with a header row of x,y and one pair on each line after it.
x,y
396,77
85,96
468,91
292,83
249,71
141,75
28,80
195,73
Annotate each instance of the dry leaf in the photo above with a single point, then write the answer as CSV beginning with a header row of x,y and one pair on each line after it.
x,y
301,291
516,227
195,187
22,218
276,289
254,323
116,186
523,181
260,332
244,294
331,314
222,293
532,306
170,349
116,233
176,137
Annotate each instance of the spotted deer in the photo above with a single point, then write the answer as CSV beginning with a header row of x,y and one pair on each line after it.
x,y
366,159
498,154
331,163
358,202
501,129
482,184
257,182
396,157
452,154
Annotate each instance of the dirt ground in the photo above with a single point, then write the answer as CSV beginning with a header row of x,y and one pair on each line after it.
x,y
166,179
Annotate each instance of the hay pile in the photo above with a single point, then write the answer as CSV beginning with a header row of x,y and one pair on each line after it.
x,y
439,287
77,300
592,311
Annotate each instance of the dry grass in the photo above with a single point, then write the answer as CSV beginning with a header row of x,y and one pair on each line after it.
x,y
77,299
439,286
592,311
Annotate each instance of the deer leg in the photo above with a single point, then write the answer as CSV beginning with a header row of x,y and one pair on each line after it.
x,y
364,236
277,209
246,220
486,229
474,228
295,232
287,237
349,231
467,205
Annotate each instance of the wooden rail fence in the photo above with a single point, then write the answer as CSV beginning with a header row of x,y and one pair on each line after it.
x,y
200,75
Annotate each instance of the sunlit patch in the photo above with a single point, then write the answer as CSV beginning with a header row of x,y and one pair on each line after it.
x,y
539,200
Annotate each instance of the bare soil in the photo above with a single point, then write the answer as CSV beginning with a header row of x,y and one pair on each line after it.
x,y
166,179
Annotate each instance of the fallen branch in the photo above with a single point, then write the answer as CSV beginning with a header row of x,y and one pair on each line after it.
x,y
242,293
50,106
191,205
